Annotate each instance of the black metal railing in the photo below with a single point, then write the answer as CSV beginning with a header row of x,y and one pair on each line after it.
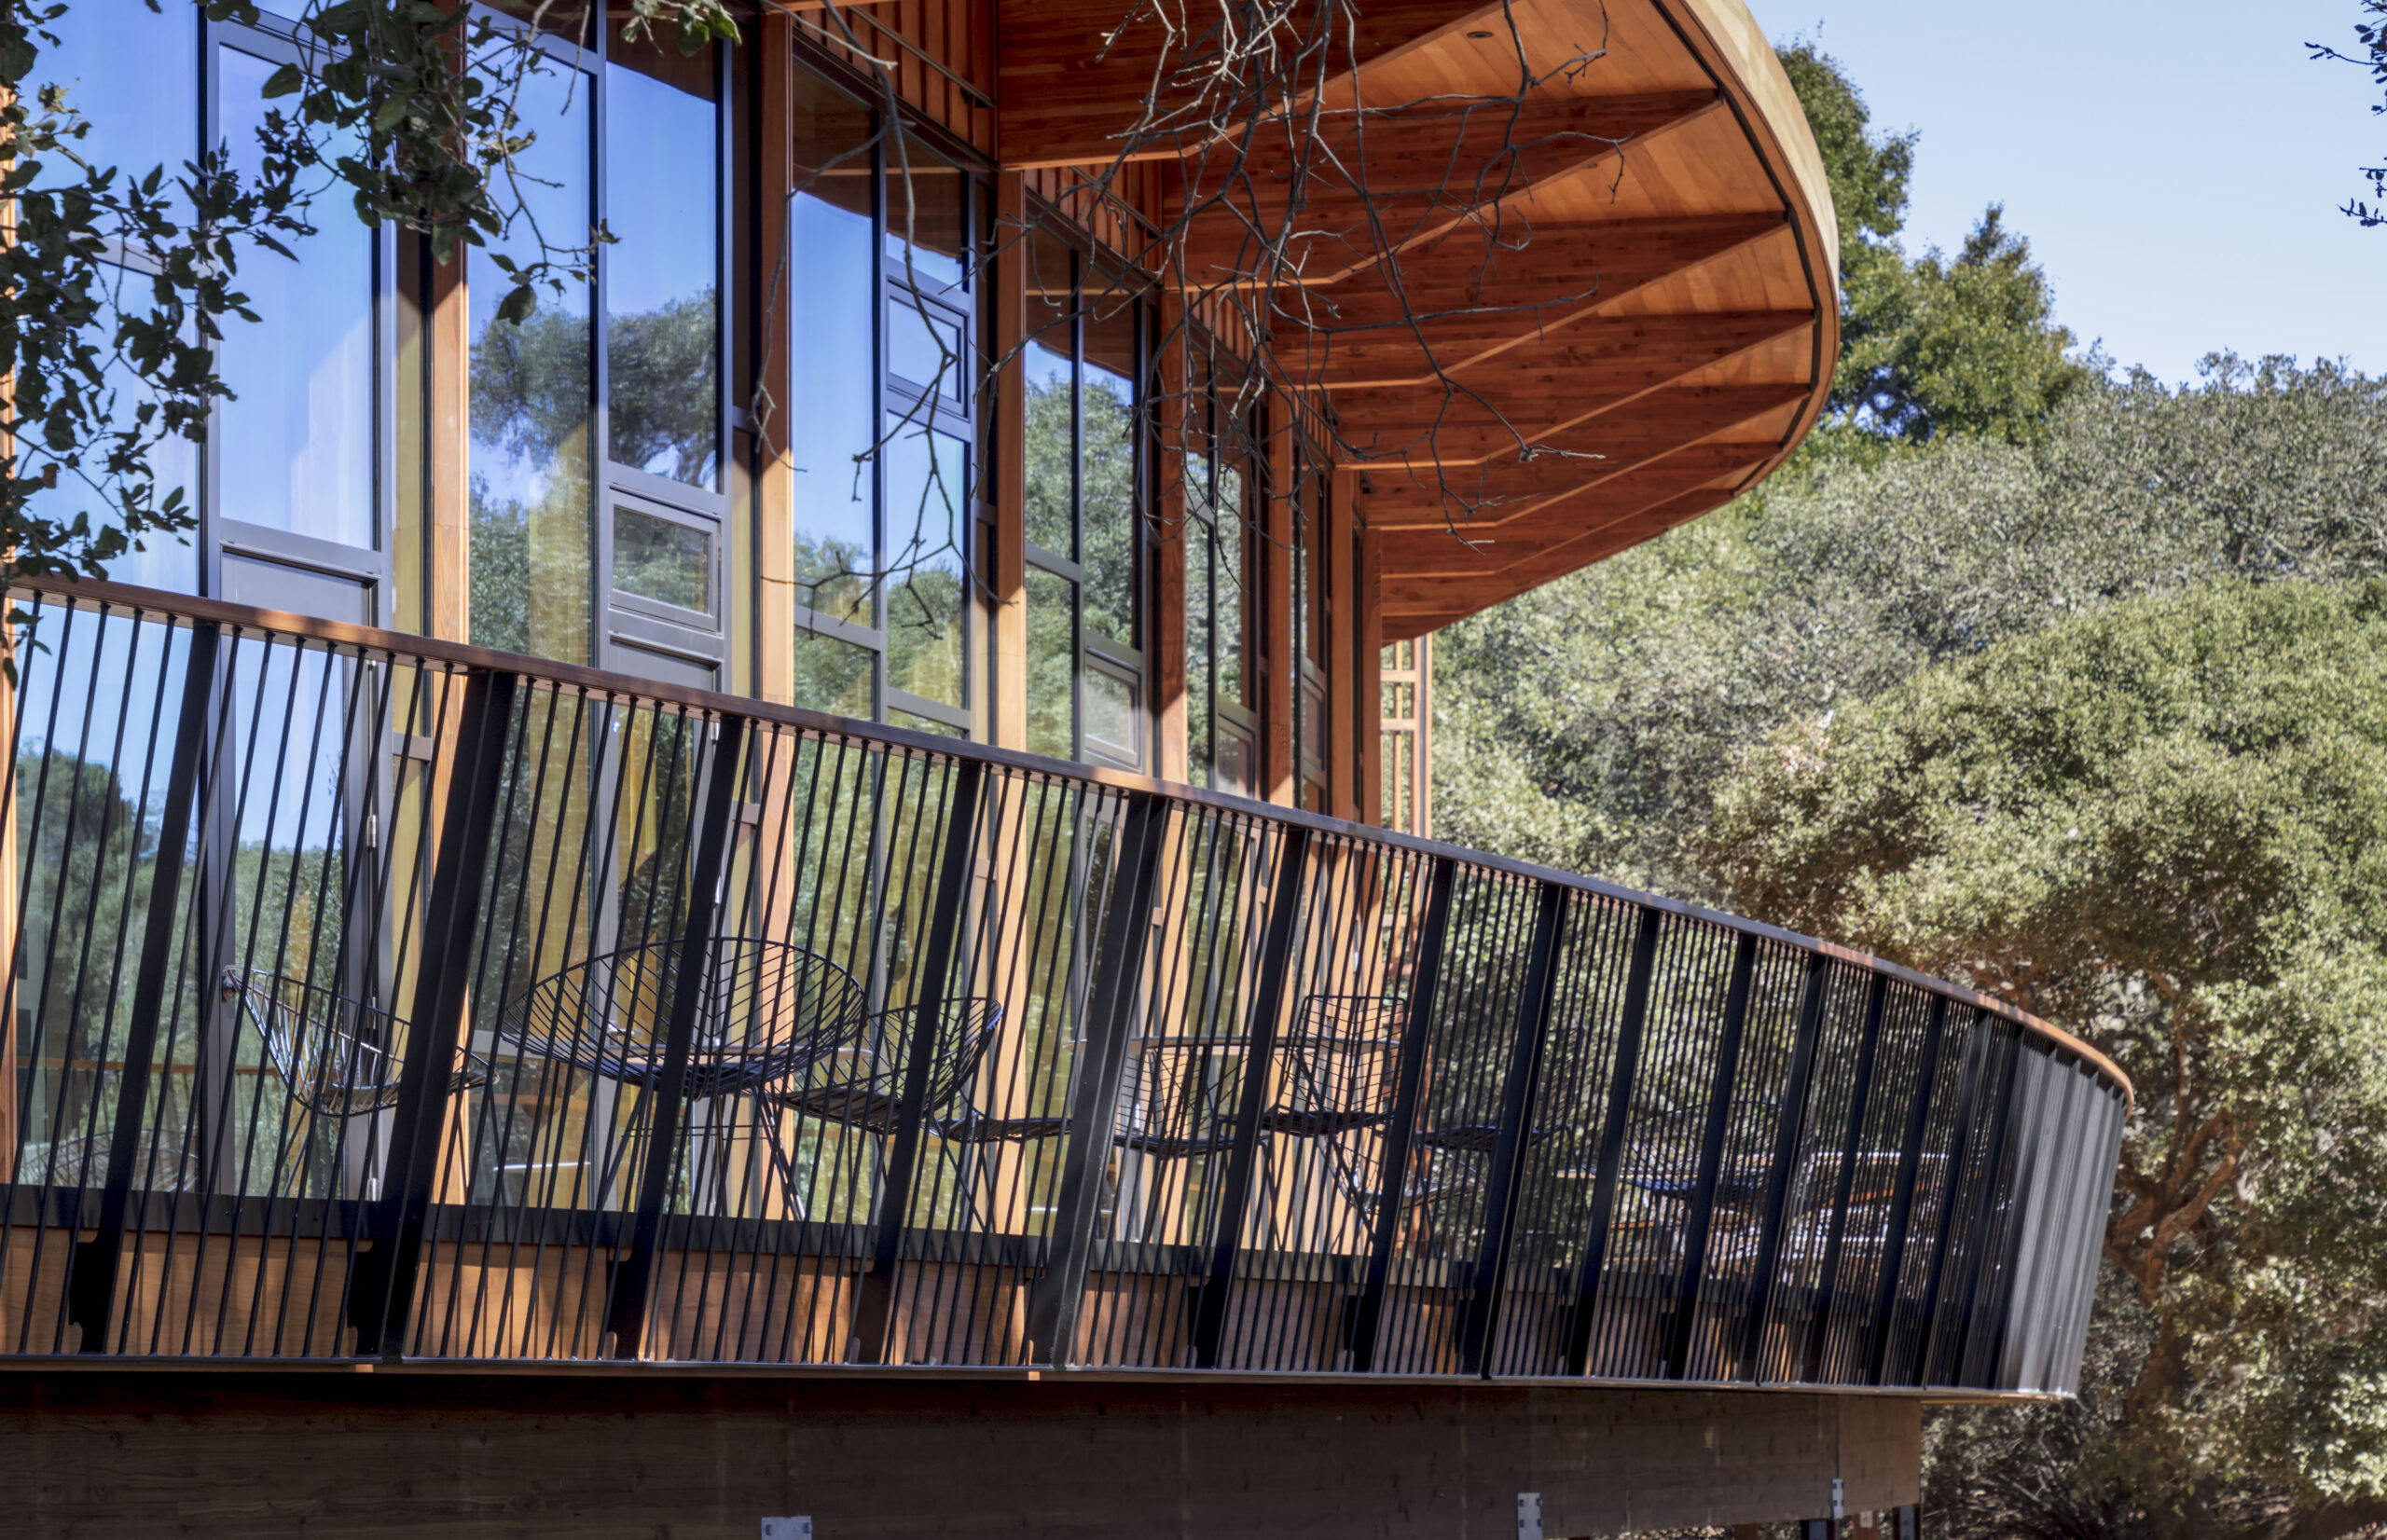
x,y
375,996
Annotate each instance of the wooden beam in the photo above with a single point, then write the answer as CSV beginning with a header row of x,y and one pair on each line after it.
x,y
1547,384
1417,493
1372,340
1008,570
1073,75
1420,563
1389,185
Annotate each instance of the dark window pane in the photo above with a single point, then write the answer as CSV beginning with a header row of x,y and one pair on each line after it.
x,y
1045,463
831,417
297,437
1106,472
1051,657
1228,610
531,546
663,319
928,498
662,559
1197,627
898,718
834,676
927,216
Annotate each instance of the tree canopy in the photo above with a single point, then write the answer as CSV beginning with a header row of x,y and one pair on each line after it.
x,y
2164,821
1935,344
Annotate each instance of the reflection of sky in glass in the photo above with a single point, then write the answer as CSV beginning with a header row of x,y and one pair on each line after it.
x,y
297,434
133,75
831,414
289,720
665,218
553,192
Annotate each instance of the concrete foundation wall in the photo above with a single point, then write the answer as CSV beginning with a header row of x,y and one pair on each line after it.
x,y
479,1457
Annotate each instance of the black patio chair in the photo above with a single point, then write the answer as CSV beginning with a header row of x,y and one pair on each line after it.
x,y
765,1009
336,1056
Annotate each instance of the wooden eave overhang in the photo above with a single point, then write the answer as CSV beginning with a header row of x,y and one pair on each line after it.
x,y
1547,324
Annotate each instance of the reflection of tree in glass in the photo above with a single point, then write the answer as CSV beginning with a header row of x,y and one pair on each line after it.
x,y
530,387
1107,485
1045,463
501,572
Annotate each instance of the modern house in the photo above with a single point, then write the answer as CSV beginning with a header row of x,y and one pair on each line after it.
x,y
793,891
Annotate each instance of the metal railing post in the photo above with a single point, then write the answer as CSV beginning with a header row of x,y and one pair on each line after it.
x,y
1985,1215
1701,1219
625,1312
873,1307
1788,1129
1859,1096
1259,1061
1094,1099
91,1289
1503,1182
383,1296
1367,1321
1627,1066
1886,1292
1977,1055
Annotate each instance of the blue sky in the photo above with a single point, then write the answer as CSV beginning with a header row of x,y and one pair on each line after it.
x,y
2176,164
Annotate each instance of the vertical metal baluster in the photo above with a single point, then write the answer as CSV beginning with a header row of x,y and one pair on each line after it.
x,y
1859,1095
1368,1317
1885,1294
873,1305
1094,1101
1259,1059
1626,1065
91,1293
1504,1181
626,1316
1977,1055
1985,1215
1788,1127
400,1216
1697,1223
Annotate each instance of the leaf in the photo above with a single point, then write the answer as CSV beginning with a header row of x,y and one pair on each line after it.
x,y
518,303
283,81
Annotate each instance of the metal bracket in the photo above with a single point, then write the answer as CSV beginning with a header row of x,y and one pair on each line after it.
x,y
1528,1516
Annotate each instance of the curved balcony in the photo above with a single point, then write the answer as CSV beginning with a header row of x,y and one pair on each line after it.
x,y
382,997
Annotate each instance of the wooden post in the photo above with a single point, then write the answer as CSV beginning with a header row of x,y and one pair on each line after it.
x,y
1342,630
1366,681
449,366
1280,776
1165,636
1007,570
774,471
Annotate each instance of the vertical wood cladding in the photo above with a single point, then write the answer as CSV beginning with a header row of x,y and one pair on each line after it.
x,y
468,1457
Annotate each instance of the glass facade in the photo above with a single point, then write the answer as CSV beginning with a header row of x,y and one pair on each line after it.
x,y
603,517
1083,464
883,342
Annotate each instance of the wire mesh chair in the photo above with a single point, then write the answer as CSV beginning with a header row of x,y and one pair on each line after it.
x,y
336,1056
765,1009
1663,1151
860,1084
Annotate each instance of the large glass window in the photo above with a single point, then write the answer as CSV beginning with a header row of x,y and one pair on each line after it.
x,y
597,421
1221,713
1083,362
294,470
531,384
883,350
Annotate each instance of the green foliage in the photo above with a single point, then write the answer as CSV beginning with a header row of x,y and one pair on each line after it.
x,y
1587,724
2165,820
1934,345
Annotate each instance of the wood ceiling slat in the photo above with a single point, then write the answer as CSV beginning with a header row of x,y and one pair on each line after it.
x,y
1068,88
1411,494
1586,368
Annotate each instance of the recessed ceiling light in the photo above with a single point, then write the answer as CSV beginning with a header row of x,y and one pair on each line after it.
x,y
1479,36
